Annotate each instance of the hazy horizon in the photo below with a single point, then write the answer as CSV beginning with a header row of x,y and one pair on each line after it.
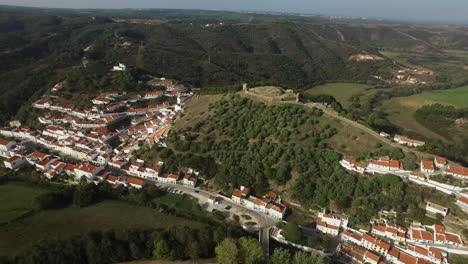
x,y
449,11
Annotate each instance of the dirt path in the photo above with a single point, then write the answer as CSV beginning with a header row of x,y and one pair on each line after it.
x,y
140,62
330,113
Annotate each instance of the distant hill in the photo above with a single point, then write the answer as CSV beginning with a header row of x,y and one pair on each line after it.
x,y
39,47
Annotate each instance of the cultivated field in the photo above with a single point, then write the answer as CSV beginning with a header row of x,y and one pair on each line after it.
x,y
341,91
69,222
16,199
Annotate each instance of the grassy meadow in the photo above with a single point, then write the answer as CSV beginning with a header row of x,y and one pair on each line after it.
x,y
401,110
16,200
341,91
69,222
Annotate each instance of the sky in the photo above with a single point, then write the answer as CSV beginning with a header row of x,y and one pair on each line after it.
x,y
444,11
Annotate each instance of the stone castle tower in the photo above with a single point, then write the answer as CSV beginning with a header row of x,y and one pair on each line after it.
x,y
244,88
298,98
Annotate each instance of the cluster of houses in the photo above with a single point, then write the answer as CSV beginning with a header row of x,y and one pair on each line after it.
x,y
387,243
386,165
380,165
93,144
331,223
269,204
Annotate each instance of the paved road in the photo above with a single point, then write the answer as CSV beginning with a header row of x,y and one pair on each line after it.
x,y
262,220
264,238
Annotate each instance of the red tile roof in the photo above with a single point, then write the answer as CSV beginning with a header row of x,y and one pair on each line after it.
x,y
353,235
89,168
457,170
453,238
173,176
355,163
12,159
372,256
387,163
440,160
4,142
427,164
463,199
324,224
376,242
136,181
237,193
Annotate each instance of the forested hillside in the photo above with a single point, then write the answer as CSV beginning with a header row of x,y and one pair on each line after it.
x,y
39,48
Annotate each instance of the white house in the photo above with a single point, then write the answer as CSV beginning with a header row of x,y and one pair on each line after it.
x,y
385,165
136,183
436,209
383,134
334,220
6,147
88,170
428,253
440,162
458,172
371,258
444,237
407,141
327,228
152,172
172,178
101,101
392,232
427,166
41,104
375,244
420,235
349,236
276,210
14,162
463,201
190,180
155,94
352,165
120,67
417,176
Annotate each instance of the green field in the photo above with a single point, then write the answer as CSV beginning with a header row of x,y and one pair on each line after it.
x,y
184,203
69,222
341,91
16,199
401,110
457,97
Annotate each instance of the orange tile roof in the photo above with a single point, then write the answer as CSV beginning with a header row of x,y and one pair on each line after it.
x,y
453,238
237,193
439,229
136,181
440,160
372,256
457,170
272,195
12,159
387,163
376,241
427,164
407,259
4,142
353,235
463,199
